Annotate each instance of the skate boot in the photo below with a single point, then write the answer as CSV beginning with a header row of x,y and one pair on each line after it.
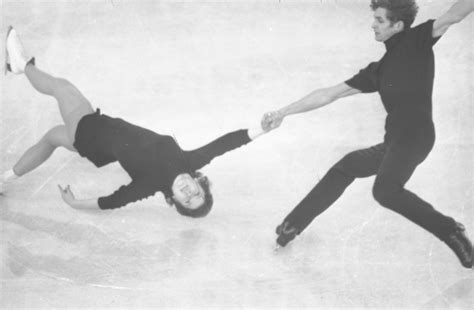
x,y
15,57
285,233
461,245
5,179
3,186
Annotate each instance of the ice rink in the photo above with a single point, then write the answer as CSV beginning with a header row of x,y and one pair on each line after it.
x,y
196,70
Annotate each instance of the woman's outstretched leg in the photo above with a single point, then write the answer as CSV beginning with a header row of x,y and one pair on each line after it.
x,y
41,151
72,103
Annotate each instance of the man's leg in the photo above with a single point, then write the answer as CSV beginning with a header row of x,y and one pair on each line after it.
x,y
358,164
399,163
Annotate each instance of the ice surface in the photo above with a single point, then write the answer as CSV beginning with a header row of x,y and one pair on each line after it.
x,y
198,69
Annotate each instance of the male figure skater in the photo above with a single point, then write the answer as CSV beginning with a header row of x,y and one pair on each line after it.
x,y
154,162
404,79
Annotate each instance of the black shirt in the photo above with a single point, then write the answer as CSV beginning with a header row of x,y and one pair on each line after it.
x,y
403,77
152,160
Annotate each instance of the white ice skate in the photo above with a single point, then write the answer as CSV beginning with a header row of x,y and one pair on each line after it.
x,y
15,57
2,187
5,179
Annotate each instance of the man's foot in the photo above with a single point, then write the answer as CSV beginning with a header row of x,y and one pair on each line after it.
x,y
461,245
285,233
15,59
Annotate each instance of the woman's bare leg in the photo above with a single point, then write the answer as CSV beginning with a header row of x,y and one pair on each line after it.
x,y
72,104
41,151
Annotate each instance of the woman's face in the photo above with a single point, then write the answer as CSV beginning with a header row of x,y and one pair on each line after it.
x,y
187,191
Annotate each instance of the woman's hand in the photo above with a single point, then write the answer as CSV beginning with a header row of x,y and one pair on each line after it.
x,y
67,195
70,199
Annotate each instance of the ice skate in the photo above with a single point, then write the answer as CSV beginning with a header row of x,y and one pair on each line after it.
x,y
461,245
3,187
285,233
5,179
15,57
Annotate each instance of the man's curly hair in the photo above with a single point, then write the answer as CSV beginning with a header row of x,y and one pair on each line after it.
x,y
398,10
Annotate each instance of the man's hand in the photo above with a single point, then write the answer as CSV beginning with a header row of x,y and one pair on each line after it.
x,y
271,120
67,195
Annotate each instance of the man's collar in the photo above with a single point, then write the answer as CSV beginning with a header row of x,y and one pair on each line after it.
x,y
393,40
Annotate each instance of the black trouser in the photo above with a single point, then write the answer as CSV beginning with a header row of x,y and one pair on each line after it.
x,y
393,163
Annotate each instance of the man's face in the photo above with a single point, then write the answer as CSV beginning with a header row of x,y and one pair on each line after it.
x,y
187,191
382,26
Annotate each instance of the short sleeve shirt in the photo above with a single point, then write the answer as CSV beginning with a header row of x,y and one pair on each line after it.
x,y
405,74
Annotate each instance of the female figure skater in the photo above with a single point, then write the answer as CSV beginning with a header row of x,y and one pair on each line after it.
x,y
154,162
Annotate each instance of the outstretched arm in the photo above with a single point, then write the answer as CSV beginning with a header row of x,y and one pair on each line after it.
x,y
255,132
136,190
312,101
202,156
70,199
455,14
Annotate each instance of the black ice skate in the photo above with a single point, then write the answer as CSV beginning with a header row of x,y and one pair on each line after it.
x,y
285,233
461,245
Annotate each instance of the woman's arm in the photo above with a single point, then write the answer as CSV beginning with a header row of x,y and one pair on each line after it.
x,y
255,132
202,156
70,199
318,98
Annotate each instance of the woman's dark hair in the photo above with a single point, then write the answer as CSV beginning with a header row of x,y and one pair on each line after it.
x,y
398,10
205,208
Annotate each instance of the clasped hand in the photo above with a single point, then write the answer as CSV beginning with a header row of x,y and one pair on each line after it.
x,y
271,120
